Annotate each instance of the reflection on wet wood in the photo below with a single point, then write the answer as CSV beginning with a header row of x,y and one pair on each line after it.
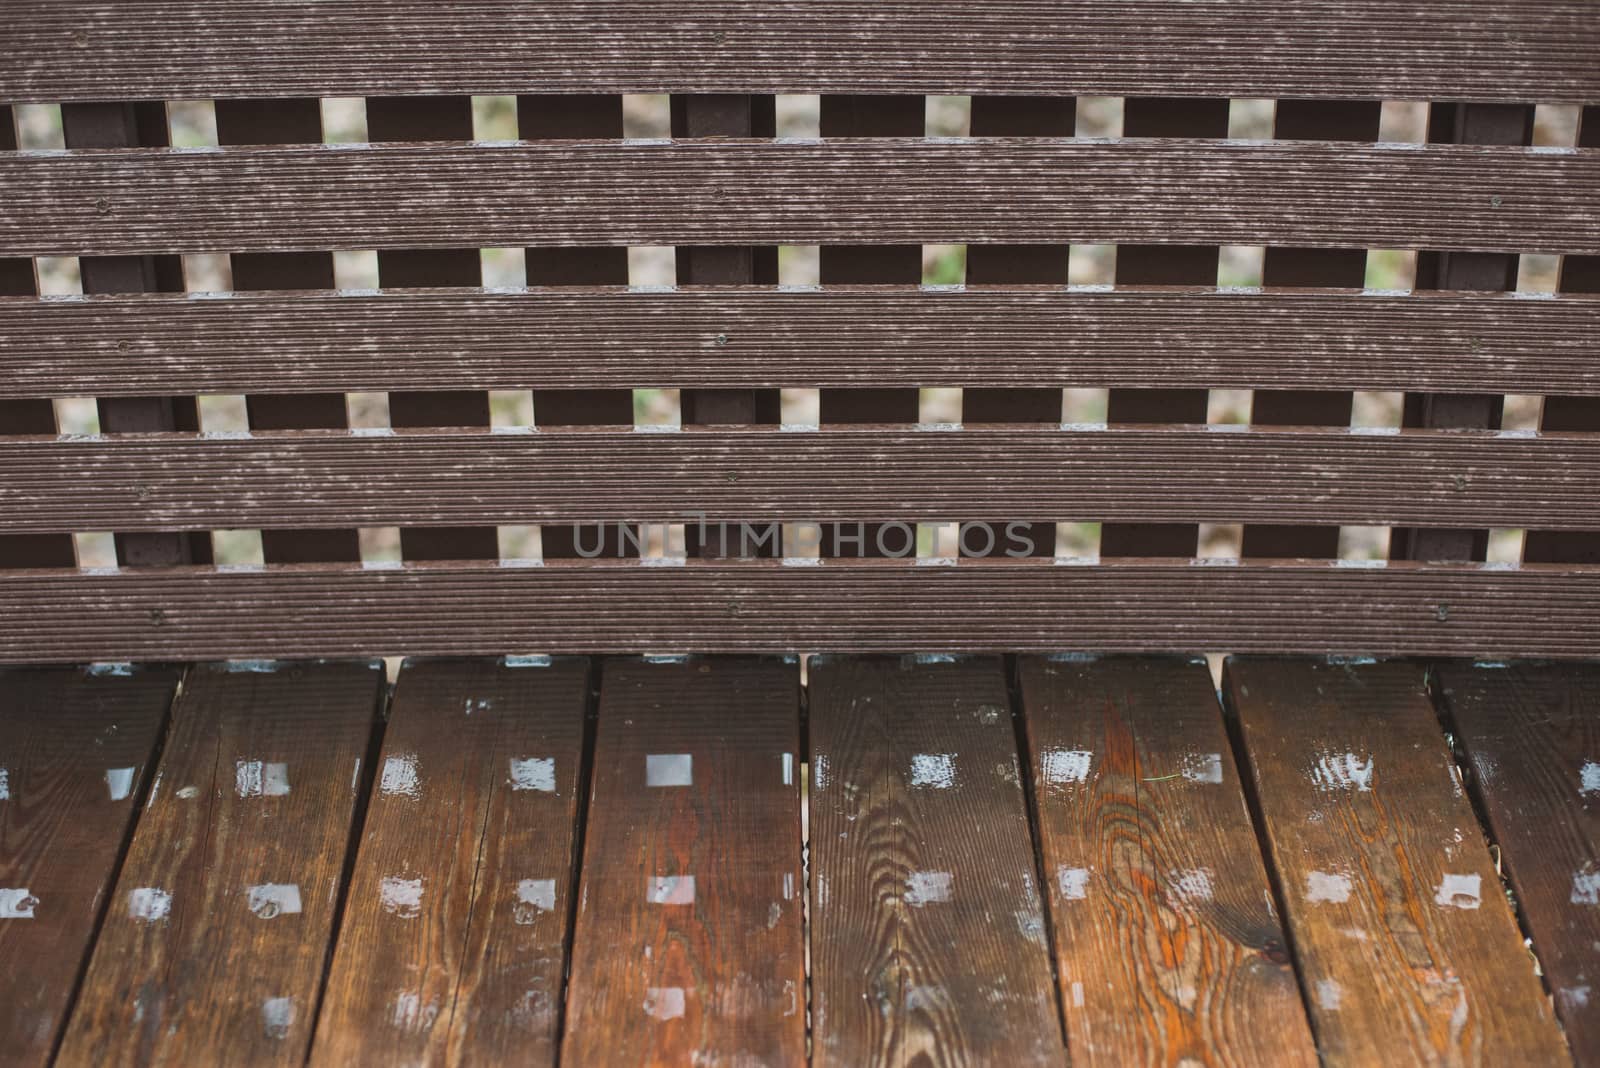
x,y
74,753
1532,735
454,934
688,946
214,943
928,935
1168,947
1406,945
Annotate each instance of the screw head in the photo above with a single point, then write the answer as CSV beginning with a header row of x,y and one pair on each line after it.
x,y
103,206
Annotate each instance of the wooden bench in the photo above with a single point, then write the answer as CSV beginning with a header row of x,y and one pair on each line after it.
x,y
920,534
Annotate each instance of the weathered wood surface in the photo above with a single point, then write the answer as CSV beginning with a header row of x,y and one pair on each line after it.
x,y
293,121
1531,733
597,338
763,606
688,945
75,751
1522,50
847,473
452,947
214,945
1407,949
1309,120
1169,950
1187,263
847,192
928,934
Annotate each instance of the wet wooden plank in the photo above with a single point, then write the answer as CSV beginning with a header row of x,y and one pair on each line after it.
x,y
454,935
1168,947
928,935
75,747
688,945
214,943
1532,735
1405,944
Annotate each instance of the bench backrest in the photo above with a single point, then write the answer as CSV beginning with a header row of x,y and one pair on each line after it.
x,y
1008,325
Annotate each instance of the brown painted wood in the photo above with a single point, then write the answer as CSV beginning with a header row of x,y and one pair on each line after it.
x,y
214,944
572,339
1579,274
26,414
1523,50
411,119
1011,265
760,606
1318,120
121,125
1531,733
836,474
864,117
1183,264
882,191
75,749
278,122
929,942
565,117
688,946
728,116
1406,946
453,943
1168,948
1472,124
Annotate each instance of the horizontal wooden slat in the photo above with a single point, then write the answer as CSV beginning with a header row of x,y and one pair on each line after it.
x,y
320,478
867,191
1456,49
764,606
738,337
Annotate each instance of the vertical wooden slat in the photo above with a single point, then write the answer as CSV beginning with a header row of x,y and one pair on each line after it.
x,y
433,118
124,125
215,941
1168,947
928,937
74,751
1317,120
1472,124
869,116
1579,274
729,116
577,116
29,416
1163,265
1532,735
995,116
1406,946
280,122
688,946
454,937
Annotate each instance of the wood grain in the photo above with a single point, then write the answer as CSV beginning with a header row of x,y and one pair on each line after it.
x,y
1531,733
453,944
75,751
214,944
1010,338
1169,950
762,606
928,935
1519,50
1406,946
864,472
842,192
688,947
